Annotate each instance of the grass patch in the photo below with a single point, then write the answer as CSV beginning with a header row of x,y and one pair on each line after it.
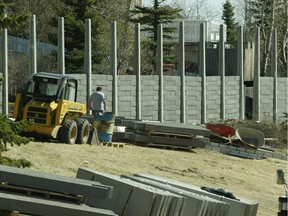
x,y
21,163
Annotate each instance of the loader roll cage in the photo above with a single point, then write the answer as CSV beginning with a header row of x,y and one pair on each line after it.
x,y
45,87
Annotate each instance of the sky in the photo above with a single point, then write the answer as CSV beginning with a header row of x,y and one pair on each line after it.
x,y
215,4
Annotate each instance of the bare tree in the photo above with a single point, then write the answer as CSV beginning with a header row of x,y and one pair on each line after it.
x,y
118,11
267,38
240,11
125,36
197,10
268,15
283,57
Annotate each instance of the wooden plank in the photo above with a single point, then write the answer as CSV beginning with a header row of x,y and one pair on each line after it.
x,y
111,144
11,213
170,147
50,182
37,206
172,135
4,186
155,133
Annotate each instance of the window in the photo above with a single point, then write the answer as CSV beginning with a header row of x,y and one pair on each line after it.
x,y
70,90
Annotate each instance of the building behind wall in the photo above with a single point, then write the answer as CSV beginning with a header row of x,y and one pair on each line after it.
x,y
192,38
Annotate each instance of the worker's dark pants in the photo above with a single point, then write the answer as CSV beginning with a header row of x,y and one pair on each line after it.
x,y
94,112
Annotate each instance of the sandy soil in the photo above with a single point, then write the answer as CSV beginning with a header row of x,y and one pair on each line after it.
x,y
251,179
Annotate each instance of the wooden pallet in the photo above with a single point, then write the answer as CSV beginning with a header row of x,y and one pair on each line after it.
x,y
171,135
11,213
111,144
164,134
4,186
170,147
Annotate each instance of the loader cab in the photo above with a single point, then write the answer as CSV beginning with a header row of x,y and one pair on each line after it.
x,y
49,100
48,87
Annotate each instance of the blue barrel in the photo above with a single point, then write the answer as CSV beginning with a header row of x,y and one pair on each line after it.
x,y
104,124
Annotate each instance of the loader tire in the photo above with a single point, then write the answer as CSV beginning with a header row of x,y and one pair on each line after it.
x,y
83,127
68,132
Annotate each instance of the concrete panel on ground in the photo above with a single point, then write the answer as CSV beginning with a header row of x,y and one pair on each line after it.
x,y
50,182
195,204
44,207
241,207
167,127
196,143
132,198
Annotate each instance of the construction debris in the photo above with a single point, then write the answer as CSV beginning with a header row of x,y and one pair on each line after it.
x,y
250,137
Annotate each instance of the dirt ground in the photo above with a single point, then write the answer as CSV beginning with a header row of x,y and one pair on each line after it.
x,y
246,178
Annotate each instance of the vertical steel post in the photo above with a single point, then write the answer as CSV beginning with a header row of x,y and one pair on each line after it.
x,y
33,46
137,69
88,61
275,72
114,67
222,71
61,46
5,109
159,63
256,82
240,73
182,72
202,69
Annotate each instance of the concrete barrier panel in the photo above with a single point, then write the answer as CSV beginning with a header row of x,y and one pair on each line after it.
x,y
132,198
241,207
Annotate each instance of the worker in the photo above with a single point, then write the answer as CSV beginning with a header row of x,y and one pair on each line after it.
x,y
97,101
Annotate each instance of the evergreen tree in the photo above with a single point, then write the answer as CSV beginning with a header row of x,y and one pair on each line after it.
x,y
9,134
150,18
8,19
75,13
229,20
42,9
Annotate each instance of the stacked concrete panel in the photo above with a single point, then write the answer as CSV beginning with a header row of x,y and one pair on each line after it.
x,y
164,134
126,95
141,194
282,97
36,206
38,193
172,98
50,182
232,98
167,127
213,97
240,207
135,196
132,198
166,142
195,204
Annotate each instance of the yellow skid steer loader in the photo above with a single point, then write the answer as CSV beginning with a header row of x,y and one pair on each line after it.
x,y
49,100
